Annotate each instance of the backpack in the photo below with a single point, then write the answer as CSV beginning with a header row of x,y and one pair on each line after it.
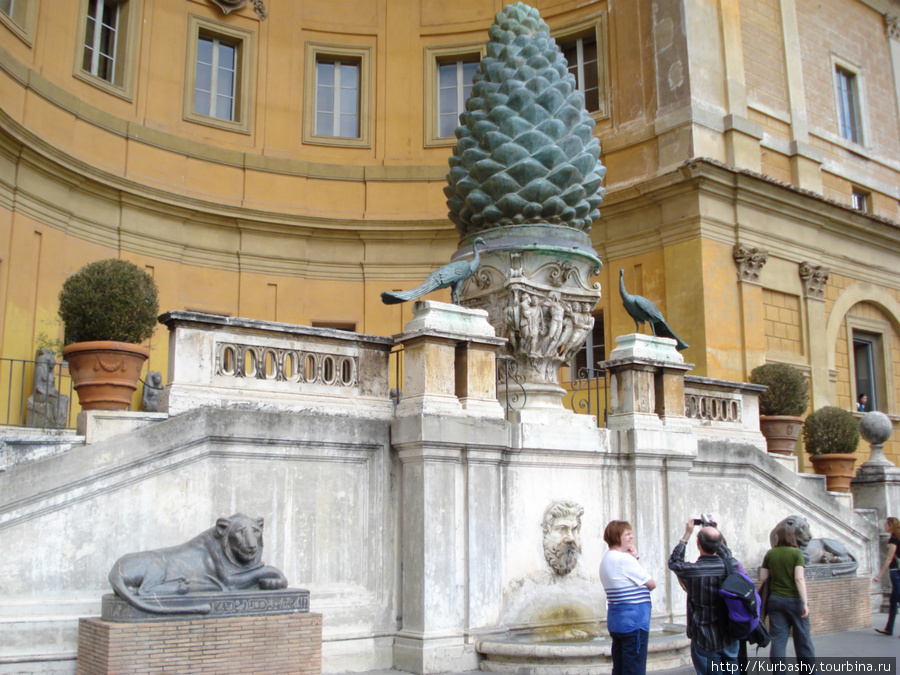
x,y
742,603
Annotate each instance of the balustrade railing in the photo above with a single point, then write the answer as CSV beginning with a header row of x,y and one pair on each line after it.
x,y
590,394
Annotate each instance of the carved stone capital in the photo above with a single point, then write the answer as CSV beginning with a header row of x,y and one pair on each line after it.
x,y
892,26
750,262
230,5
814,279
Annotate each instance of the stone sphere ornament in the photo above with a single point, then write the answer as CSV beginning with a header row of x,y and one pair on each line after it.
x,y
875,427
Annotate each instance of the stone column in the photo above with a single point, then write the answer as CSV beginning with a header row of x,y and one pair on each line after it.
x,y
750,262
449,433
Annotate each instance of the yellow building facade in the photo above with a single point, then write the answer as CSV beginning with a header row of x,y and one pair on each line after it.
x,y
284,160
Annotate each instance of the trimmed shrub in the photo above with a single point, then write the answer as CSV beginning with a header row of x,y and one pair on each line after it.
x,y
829,430
788,390
109,300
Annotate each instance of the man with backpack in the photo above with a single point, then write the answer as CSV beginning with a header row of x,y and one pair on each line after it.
x,y
707,614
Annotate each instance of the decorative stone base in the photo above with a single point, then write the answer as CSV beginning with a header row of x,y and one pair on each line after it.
x,y
262,645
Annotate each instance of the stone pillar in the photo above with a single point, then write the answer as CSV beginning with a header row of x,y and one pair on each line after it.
x,y
449,432
750,262
647,417
876,485
449,361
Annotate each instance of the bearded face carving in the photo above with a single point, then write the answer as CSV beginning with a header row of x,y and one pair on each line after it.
x,y
562,535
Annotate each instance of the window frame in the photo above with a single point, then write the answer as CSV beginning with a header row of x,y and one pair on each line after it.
x,y
598,26
125,54
434,57
364,56
600,326
859,100
22,20
244,41
878,335
860,200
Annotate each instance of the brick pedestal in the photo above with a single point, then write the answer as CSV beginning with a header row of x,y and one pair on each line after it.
x,y
839,604
263,645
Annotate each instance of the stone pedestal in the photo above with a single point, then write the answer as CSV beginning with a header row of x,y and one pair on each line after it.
x,y
262,645
449,361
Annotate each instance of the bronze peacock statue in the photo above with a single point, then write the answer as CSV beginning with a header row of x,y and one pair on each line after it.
x,y
452,274
641,309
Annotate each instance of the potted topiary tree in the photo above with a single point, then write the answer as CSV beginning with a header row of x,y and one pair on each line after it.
x,y
107,307
830,436
781,405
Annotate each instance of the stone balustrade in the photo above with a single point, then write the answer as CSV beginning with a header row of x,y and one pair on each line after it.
x,y
230,362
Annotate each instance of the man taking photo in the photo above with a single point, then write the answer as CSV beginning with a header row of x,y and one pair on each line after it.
x,y
706,613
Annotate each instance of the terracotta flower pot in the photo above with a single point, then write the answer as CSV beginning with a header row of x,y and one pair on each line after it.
x,y
781,432
105,374
837,467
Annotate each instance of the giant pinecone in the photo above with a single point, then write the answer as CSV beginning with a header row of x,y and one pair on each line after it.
x,y
525,151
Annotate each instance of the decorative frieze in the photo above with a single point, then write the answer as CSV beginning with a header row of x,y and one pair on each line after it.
x,y
285,365
750,262
711,408
814,279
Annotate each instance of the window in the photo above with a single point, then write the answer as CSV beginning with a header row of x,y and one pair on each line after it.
x,y
337,98
847,88
19,16
581,53
448,82
859,200
105,56
218,79
337,95
454,87
584,45
100,37
594,349
214,86
864,360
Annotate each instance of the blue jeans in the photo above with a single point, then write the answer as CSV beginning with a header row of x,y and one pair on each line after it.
x,y
784,615
703,661
894,601
629,652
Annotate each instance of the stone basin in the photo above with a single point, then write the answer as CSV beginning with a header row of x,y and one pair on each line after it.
x,y
522,654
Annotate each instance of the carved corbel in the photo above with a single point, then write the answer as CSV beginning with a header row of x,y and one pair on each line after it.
x,y
892,26
750,262
230,5
814,279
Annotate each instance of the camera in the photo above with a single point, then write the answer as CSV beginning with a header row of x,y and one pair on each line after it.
x,y
705,519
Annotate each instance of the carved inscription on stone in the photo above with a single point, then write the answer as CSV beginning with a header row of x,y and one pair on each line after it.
x,y
285,365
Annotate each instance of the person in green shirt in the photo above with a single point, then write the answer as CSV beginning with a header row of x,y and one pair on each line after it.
x,y
787,606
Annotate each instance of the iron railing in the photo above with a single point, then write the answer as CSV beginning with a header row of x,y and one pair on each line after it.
x,y
591,381
509,378
38,394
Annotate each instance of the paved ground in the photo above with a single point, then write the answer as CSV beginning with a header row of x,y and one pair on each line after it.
x,y
847,644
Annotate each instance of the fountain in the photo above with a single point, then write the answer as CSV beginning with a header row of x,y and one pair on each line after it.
x,y
525,177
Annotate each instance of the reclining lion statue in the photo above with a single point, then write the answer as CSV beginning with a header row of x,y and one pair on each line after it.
x,y
818,551
227,557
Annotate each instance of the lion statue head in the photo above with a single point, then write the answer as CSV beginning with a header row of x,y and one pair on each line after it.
x,y
241,539
801,530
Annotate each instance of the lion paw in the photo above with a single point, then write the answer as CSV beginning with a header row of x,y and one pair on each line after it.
x,y
272,584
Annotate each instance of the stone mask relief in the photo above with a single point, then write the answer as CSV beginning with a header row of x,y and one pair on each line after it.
x,y
562,535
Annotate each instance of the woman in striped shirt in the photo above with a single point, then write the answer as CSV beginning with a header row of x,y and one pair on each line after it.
x,y
627,587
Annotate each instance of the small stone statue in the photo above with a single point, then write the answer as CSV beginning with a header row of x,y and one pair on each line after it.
x,y
152,389
46,408
640,309
819,551
226,557
562,535
451,275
